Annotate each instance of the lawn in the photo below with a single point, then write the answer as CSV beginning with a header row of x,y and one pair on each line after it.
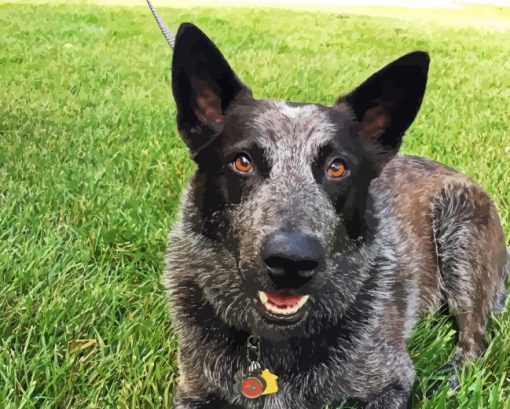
x,y
91,168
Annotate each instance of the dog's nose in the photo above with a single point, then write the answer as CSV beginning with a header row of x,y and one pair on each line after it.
x,y
292,259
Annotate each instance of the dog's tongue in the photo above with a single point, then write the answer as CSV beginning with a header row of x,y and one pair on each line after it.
x,y
283,300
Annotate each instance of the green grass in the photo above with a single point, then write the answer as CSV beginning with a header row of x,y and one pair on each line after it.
x,y
91,168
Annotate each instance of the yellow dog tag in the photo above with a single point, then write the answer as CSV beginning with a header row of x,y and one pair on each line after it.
x,y
270,379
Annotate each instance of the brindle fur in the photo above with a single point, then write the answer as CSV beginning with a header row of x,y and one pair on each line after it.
x,y
402,235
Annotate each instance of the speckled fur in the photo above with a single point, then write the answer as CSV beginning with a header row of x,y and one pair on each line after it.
x,y
401,238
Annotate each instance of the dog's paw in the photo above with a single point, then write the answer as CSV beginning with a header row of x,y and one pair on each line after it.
x,y
391,399
447,373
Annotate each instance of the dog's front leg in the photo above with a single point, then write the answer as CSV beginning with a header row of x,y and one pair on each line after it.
x,y
207,402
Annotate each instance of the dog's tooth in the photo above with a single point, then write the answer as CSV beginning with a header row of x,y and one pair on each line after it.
x,y
292,310
274,309
302,300
263,297
281,311
269,307
289,310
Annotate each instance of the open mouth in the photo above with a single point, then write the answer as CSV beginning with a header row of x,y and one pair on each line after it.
x,y
282,307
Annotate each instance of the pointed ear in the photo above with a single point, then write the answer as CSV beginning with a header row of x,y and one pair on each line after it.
x,y
204,86
387,103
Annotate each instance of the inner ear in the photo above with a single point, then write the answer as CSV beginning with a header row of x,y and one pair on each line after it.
x,y
374,121
208,103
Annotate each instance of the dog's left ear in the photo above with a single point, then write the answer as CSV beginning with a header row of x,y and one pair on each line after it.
x,y
204,87
387,103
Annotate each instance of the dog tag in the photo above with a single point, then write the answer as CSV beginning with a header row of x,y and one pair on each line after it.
x,y
253,386
271,384
255,382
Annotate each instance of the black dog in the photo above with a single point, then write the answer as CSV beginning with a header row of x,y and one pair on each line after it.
x,y
307,250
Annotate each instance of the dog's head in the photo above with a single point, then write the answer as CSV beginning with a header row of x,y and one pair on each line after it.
x,y
281,190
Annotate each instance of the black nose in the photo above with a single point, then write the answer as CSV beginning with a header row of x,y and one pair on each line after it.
x,y
292,259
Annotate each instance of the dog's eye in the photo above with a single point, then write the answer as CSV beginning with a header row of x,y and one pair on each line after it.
x,y
336,169
242,163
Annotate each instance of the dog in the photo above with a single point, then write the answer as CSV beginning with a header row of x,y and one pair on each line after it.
x,y
306,248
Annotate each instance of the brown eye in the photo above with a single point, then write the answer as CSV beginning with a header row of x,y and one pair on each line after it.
x,y
337,169
242,163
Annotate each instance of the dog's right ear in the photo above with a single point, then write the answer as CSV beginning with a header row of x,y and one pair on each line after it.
x,y
204,86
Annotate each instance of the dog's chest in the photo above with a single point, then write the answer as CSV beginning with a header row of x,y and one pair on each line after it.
x,y
331,379
309,375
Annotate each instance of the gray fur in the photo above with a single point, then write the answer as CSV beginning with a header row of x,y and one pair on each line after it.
x,y
377,358
427,236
